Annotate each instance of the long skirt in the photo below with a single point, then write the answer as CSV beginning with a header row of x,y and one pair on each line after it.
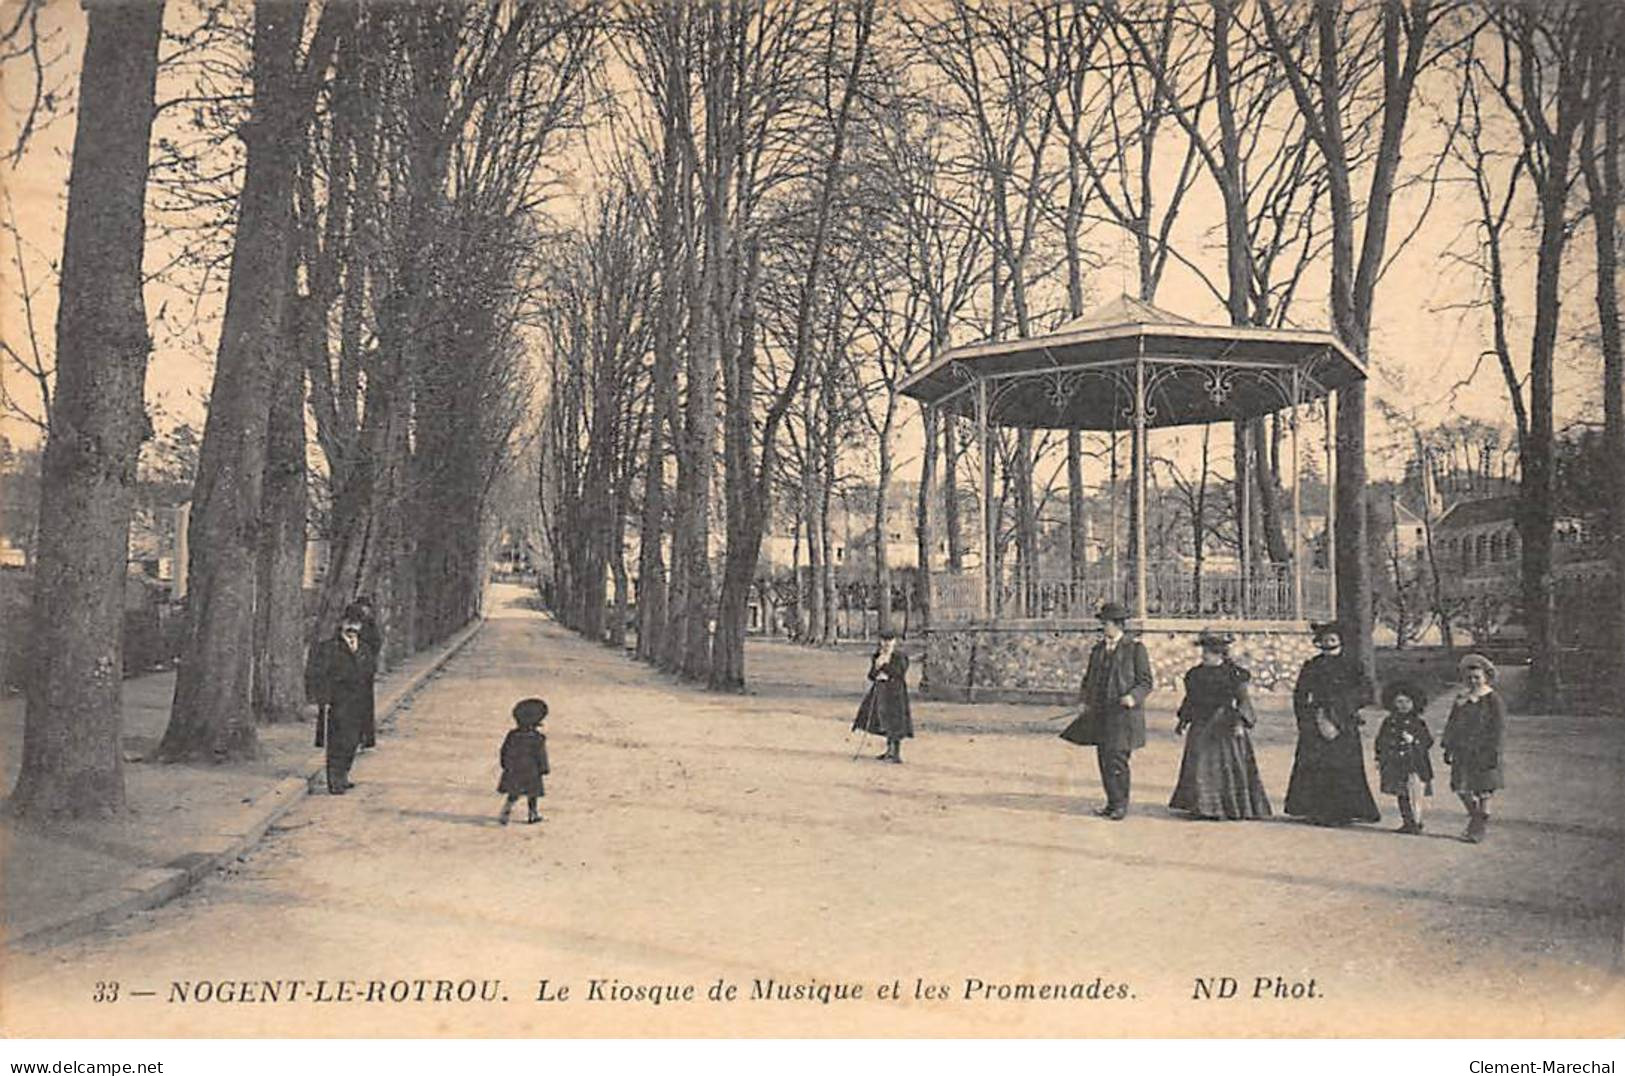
x,y
1218,776
1328,780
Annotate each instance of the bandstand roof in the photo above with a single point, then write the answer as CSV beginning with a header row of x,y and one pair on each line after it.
x,y
1083,374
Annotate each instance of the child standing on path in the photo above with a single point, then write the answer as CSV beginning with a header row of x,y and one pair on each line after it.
x,y
524,759
1472,743
1403,743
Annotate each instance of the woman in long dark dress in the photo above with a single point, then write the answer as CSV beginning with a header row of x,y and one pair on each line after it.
x,y
884,710
1328,784
1218,776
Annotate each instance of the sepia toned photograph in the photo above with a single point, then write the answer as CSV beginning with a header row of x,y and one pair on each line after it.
x,y
826,519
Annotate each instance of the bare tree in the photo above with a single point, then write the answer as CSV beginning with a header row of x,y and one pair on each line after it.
x,y
1600,154
72,755
212,713
1539,76
1322,90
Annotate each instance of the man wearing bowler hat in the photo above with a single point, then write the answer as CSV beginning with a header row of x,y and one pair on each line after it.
x,y
1113,696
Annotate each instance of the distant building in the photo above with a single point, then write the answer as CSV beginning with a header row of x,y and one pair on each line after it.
x,y
1480,559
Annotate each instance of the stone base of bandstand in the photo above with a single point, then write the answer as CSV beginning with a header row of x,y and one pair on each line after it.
x,y
1043,661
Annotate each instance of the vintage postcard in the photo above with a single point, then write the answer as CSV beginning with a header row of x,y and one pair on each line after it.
x,y
878,518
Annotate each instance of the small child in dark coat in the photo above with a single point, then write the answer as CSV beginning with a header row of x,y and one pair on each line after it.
x,y
1403,744
524,759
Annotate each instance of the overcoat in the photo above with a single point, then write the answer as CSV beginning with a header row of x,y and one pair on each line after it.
x,y
885,710
1472,743
340,681
1402,747
1126,671
524,762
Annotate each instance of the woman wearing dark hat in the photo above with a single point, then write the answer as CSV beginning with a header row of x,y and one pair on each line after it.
x,y
1328,784
884,710
1403,742
1472,743
1218,776
1112,695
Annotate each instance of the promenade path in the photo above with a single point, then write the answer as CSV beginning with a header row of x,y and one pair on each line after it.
x,y
690,838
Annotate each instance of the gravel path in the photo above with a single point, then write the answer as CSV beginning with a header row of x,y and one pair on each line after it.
x,y
690,838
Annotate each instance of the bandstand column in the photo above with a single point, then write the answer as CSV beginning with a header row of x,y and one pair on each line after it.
x,y
1244,514
989,529
1331,502
1297,500
1140,574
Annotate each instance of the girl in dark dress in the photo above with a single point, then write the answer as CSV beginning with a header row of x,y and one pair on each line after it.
x,y
884,710
524,759
1328,785
1218,776
1403,763
1472,743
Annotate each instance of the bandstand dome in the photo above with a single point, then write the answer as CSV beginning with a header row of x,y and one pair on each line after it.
x,y
1081,376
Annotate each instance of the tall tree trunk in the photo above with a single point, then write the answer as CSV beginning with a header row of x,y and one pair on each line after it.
x,y
1026,519
883,523
812,517
924,530
1077,508
1269,490
950,493
279,636
826,490
212,713
1602,172
71,760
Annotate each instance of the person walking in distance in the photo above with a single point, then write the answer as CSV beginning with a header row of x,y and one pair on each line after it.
x,y
340,680
1112,697
373,640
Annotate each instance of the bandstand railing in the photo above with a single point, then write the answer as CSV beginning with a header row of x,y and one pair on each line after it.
x,y
1265,592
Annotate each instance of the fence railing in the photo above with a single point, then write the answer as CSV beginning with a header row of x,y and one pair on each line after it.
x,y
1267,592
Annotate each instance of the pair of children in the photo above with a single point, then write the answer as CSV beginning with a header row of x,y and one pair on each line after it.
x,y
524,759
1471,743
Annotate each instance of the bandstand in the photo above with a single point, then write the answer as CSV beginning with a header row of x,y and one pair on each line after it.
x,y
1012,632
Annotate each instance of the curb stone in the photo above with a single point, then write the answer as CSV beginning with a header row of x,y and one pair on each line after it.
x,y
151,887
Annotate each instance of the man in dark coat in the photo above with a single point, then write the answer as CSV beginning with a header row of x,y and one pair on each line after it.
x,y
373,640
1112,695
340,680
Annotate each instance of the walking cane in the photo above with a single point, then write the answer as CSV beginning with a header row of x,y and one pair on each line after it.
x,y
863,741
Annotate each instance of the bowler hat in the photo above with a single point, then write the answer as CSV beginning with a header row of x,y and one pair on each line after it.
x,y
1213,639
1477,661
1324,628
529,712
1113,611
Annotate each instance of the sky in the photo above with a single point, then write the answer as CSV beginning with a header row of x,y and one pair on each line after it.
x,y
1426,356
